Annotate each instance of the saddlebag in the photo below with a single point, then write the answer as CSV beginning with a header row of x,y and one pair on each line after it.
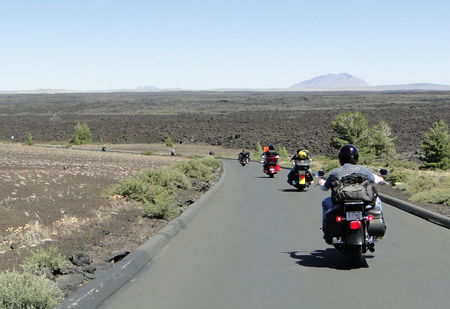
x,y
332,228
376,227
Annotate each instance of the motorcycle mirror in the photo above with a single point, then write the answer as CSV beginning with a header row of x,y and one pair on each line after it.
x,y
384,172
320,173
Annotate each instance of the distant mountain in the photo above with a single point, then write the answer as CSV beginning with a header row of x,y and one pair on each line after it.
x,y
147,88
342,80
417,87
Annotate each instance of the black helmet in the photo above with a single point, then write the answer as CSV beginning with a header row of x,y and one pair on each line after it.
x,y
348,154
271,147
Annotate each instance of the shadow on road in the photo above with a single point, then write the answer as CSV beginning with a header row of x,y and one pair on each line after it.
x,y
328,258
294,190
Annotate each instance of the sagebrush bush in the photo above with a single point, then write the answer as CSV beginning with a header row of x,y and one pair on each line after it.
x,y
147,153
131,188
23,290
194,169
330,165
210,162
435,196
160,203
397,176
166,177
403,164
43,258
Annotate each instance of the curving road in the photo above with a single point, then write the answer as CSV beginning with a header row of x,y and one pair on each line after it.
x,y
257,244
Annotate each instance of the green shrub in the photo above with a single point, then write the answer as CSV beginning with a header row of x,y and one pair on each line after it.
x,y
191,156
82,135
160,204
402,164
330,165
194,169
147,153
43,258
435,196
210,162
421,183
166,177
131,188
396,177
23,290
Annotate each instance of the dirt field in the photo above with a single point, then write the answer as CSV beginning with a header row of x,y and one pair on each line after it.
x,y
55,195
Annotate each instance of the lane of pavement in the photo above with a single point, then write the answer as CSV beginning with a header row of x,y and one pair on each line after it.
x,y
257,244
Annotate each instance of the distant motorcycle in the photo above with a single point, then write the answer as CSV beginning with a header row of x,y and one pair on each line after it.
x,y
300,176
355,226
244,158
271,166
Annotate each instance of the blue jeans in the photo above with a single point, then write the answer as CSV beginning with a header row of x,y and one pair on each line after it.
x,y
327,205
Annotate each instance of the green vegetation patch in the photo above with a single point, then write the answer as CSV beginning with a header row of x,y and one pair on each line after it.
x,y
24,290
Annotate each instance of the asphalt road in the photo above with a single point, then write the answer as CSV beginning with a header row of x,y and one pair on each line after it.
x,y
257,244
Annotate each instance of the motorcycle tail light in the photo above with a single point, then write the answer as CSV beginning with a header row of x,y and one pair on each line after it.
x,y
338,219
369,218
302,176
354,225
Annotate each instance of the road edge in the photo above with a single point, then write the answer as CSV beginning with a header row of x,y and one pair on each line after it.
x,y
95,292
416,210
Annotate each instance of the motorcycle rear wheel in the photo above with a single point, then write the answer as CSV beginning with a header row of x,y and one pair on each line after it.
x,y
356,256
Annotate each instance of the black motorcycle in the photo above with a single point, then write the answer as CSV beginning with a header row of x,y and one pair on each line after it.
x,y
244,158
354,227
300,176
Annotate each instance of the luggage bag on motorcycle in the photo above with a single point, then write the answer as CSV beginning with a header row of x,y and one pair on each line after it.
x,y
354,187
331,227
376,227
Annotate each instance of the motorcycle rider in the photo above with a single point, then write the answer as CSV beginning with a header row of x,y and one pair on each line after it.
x,y
348,158
302,154
271,152
244,154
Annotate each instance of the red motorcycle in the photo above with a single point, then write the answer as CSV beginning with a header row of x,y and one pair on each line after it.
x,y
271,166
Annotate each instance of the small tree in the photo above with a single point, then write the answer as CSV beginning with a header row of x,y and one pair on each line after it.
x,y
82,134
258,151
352,128
29,140
169,142
436,146
381,141
283,152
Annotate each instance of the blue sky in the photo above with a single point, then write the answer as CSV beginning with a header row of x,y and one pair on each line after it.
x,y
104,45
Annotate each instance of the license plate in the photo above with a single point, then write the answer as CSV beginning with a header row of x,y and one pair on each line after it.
x,y
354,215
301,181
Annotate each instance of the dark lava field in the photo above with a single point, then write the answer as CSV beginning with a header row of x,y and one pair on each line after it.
x,y
234,119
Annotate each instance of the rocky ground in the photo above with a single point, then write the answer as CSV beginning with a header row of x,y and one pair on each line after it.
x,y
229,119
